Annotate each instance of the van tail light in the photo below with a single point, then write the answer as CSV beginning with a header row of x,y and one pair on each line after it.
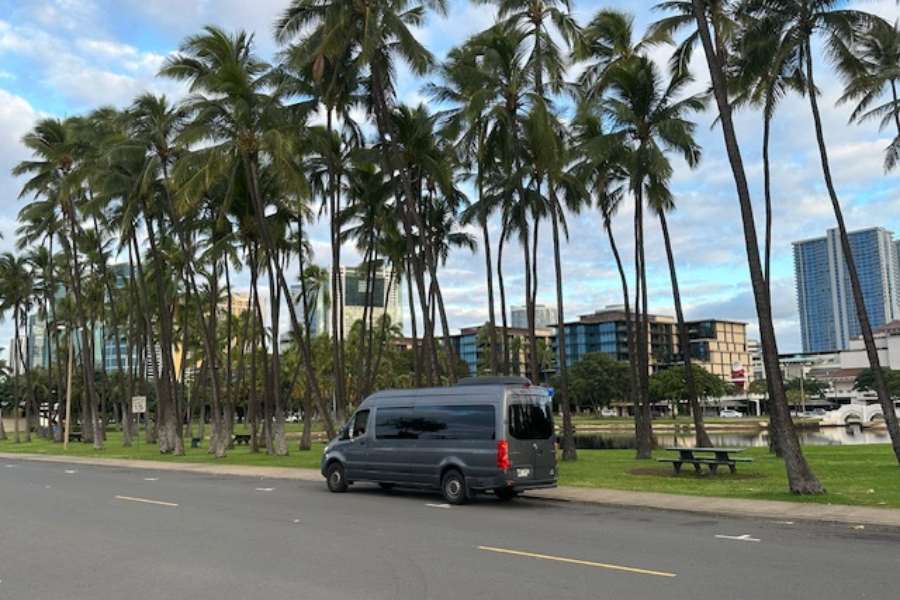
x,y
503,455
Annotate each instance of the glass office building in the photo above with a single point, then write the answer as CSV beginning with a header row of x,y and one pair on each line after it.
x,y
828,318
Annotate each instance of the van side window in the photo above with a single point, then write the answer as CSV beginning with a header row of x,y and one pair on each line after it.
x,y
395,423
455,422
439,422
359,423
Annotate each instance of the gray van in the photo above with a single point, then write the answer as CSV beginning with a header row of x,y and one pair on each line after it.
x,y
484,434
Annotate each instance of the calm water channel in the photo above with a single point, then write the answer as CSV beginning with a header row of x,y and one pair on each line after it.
x,y
737,439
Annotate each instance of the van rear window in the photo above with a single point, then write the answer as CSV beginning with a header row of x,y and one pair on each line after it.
x,y
439,422
531,419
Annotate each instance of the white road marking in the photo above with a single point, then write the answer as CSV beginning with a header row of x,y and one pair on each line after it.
x,y
146,501
437,505
265,489
10,466
740,538
784,522
71,471
296,520
859,527
151,478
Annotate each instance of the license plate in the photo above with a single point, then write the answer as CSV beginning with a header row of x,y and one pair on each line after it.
x,y
526,472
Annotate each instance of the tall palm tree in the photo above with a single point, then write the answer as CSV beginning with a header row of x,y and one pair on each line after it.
x,y
800,21
333,82
247,129
542,22
465,87
16,293
54,175
601,168
801,479
652,118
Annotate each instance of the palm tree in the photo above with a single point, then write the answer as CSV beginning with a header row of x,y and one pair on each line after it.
x,y
870,70
334,83
16,291
466,88
540,21
58,148
247,129
801,479
652,118
800,21
600,167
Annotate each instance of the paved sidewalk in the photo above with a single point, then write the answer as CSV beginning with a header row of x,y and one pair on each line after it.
x,y
766,509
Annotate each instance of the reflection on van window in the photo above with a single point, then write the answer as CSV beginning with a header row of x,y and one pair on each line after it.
x,y
531,419
359,423
435,423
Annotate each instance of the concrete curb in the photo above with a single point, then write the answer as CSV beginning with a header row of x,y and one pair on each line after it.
x,y
735,507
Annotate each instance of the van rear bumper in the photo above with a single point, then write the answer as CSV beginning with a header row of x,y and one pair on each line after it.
x,y
519,485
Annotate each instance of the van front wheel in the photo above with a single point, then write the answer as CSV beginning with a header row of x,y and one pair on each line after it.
x,y
453,486
335,477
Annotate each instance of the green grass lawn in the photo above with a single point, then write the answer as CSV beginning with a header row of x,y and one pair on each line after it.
x,y
240,455
864,475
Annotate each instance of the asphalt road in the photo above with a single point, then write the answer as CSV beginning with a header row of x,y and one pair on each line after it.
x,y
99,533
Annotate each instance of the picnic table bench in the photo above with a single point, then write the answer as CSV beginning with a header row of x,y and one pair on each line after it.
x,y
75,436
711,457
195,442
241,438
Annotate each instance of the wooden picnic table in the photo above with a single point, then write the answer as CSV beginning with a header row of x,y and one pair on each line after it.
x,y
711,457
241,439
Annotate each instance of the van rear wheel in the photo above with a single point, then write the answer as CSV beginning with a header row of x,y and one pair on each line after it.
x,y
505,494
334,475
453,486
386,486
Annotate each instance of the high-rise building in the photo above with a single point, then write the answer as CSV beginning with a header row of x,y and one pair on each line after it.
x,y
827,312
384,296
544,316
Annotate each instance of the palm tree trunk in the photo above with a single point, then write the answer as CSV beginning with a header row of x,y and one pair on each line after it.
x,y
337,347
700,433
502,288
492,319
629,326
801,479
884,396
529,315
417,356
568,446
774,425
87,355
643,423
31,400
15,372
532,324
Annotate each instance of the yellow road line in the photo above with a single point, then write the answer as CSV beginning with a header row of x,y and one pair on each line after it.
x,y
145,501
573,561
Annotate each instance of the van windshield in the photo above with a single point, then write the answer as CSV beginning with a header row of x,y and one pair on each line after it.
x,y
530,418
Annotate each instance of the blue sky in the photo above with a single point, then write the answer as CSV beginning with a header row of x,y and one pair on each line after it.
x,y
63,57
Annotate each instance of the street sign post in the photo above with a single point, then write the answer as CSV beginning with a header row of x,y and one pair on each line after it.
x,y
138,404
